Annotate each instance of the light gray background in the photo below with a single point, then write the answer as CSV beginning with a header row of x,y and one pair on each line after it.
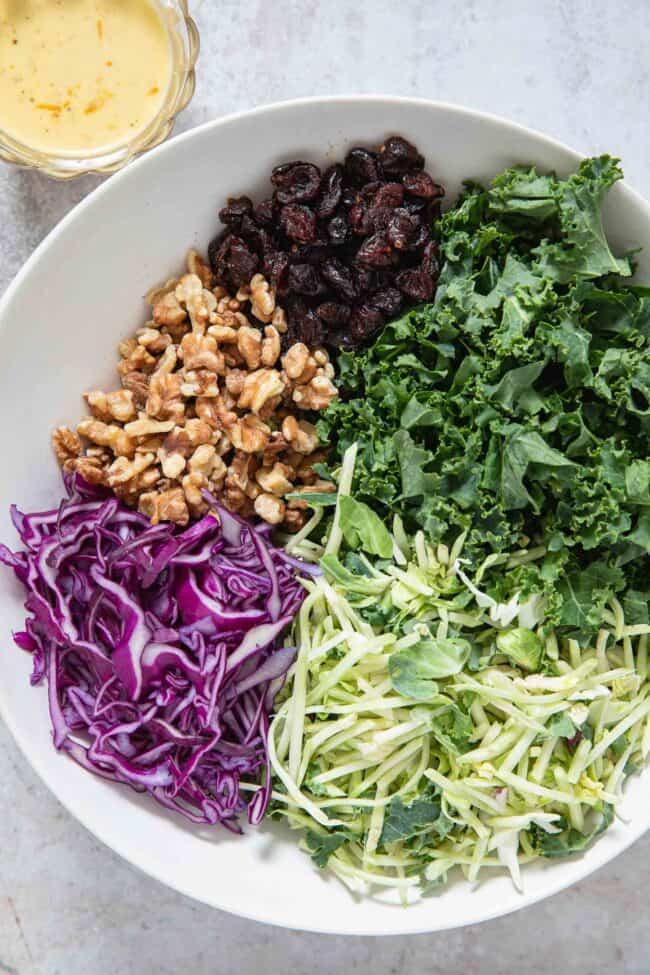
x,y
576,69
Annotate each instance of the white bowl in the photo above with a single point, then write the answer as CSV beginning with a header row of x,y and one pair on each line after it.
x,y
59,323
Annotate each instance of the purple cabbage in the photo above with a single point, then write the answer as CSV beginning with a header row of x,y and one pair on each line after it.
x,y
162,648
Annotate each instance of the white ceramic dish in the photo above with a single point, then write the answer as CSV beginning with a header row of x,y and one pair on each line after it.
x,y
59,324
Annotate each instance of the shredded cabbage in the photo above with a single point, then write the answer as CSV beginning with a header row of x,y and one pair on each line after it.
x,y
162,648
419,733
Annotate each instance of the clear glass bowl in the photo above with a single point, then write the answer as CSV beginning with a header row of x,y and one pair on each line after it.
x,y
184,43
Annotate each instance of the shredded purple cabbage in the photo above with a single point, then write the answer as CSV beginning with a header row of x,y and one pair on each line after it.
x,y
162,648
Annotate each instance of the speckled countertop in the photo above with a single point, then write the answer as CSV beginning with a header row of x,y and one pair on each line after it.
x,y
577,69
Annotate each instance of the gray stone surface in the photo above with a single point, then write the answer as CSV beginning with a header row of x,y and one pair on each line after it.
x,y
577,70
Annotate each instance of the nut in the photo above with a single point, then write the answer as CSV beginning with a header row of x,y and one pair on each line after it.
x,y
201,352
300,434
198,431
200,382
107,435
249,343
200,302
122,469
152,340
204,403
165,401
138,384
270,346
270,508
274,481
90,468
204,459
197,265
316,395
215,412
172,464
262,298
235,380
260,386
295,360
250,435
168,311
279,320
166,506
294,519
66,444
145,425
223,333
193,485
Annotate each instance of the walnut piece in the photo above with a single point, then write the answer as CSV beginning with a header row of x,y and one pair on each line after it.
x,y
166,506
270,508
316,395
208,401
66,443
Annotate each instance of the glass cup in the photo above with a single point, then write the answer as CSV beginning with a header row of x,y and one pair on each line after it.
x,y
184,45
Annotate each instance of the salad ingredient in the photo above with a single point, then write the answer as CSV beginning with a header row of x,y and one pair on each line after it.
x,y
207,403
423,728
81,76
344,250
514,408
162,649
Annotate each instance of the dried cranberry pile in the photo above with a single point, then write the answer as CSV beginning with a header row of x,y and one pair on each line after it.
x,y
345,250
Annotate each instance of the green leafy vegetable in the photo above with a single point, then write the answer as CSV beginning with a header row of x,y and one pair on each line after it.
x,y
415,670
571,840
517,404
362,528
522,647
561,726
416,818
322,845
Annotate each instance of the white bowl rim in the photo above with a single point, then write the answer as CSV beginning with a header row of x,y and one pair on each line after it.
x,y
598,857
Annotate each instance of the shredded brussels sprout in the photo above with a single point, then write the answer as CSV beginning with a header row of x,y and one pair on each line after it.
x,y
429,724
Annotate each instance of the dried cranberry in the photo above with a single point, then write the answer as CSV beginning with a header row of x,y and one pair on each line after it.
x,y
233,262
264,213
358,219
402,229
276,271
418,206
304,279
421,185
339,277
365,321
388,301
399,156
378,218
257,238
415,284
333,314
389,195
337,230
314,253
296,182
217,254
361,167
238,207
305,327
430,259
365,280
368,191
331,192
350,196
298,222
375,251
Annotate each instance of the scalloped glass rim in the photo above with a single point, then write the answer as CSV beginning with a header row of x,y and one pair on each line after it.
x,y
68,165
